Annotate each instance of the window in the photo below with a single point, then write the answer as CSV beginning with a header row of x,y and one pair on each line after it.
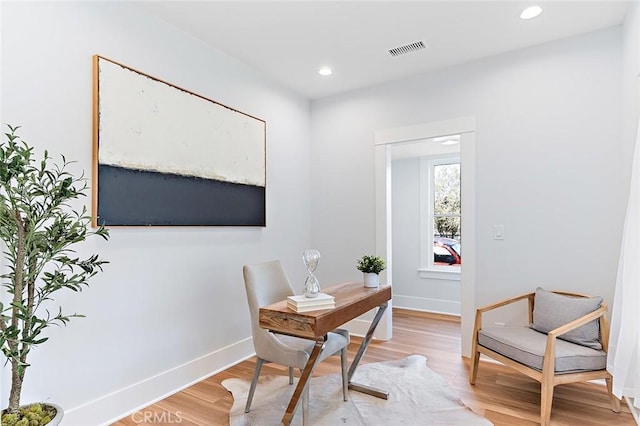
x,y
440,217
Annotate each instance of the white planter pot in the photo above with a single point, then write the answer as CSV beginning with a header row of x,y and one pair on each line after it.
x,y
58,418
371,279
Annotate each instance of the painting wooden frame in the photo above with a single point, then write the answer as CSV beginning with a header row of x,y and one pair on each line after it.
x,y
165,156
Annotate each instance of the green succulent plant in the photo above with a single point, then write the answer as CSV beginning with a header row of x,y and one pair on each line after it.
x,y
371,264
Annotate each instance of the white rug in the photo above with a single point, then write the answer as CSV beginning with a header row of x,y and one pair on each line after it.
x,y
417,396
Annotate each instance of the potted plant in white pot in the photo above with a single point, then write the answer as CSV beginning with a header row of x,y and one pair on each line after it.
x,y
39,228
371,266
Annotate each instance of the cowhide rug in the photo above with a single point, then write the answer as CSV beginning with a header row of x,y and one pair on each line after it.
x,y
417,396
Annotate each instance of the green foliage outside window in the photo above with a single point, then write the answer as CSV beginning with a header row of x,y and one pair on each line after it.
x,y
447,204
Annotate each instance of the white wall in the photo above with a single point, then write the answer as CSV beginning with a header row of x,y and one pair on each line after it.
x,y
550,163
172,299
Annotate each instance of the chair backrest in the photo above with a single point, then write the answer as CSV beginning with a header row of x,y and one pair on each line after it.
x,y
552,309
265,283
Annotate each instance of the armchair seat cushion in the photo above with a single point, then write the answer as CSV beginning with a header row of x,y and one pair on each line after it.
x,y
527,346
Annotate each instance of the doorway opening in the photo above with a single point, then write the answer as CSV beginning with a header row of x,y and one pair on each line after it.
x,y
387,142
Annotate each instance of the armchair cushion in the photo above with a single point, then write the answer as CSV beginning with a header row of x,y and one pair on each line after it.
x,y
551,310
527,347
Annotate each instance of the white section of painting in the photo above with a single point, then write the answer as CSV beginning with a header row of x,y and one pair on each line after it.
x,y
146,124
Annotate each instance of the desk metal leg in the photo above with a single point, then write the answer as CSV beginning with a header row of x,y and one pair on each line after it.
x,y
303,382
363,347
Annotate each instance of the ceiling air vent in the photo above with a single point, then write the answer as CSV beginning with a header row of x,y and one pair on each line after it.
x,y
407,48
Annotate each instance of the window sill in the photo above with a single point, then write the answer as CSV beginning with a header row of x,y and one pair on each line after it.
x,y
439,274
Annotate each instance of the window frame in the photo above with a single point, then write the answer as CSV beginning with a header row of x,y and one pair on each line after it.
x,y
427,200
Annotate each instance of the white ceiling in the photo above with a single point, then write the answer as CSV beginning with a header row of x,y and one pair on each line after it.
x,y
291,40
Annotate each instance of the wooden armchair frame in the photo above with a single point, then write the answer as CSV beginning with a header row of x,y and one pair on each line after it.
x,y
547,377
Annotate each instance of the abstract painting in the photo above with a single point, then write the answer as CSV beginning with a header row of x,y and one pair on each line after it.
x,y
164,156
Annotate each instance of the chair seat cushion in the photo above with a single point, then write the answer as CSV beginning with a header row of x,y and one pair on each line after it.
x,y
336,340
527,346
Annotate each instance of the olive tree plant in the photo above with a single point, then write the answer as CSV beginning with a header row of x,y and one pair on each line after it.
x,y
39,227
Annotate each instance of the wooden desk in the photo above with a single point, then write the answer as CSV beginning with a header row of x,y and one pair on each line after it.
x,y
352,300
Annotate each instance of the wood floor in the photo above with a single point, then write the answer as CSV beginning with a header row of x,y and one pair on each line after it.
x,y
500,394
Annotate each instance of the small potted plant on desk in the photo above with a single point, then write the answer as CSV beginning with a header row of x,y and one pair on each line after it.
x,y
38,228
371,266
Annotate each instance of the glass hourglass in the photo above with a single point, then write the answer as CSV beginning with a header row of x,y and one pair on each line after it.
x,y
311,257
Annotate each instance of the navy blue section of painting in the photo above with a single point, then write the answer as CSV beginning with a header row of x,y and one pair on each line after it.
x,y
137,197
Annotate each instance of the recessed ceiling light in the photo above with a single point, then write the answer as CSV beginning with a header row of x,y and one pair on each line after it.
x,y
531,12
325,71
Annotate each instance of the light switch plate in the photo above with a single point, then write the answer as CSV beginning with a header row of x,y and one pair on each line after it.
x,y
498,232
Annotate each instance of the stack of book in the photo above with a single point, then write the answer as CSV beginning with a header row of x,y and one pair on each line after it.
x,y
304,304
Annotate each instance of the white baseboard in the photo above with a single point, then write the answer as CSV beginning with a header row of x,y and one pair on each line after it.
x,y
428,305
130,400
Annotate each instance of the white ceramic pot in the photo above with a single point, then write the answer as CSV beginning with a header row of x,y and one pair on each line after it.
x,y
371,279
59,414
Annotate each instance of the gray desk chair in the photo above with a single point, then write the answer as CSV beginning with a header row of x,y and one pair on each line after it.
x,y
267,283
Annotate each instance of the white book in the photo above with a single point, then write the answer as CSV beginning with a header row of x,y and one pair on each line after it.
x,y
302,300
309,308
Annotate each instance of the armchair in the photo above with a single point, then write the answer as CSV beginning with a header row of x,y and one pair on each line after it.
x,y
566,342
